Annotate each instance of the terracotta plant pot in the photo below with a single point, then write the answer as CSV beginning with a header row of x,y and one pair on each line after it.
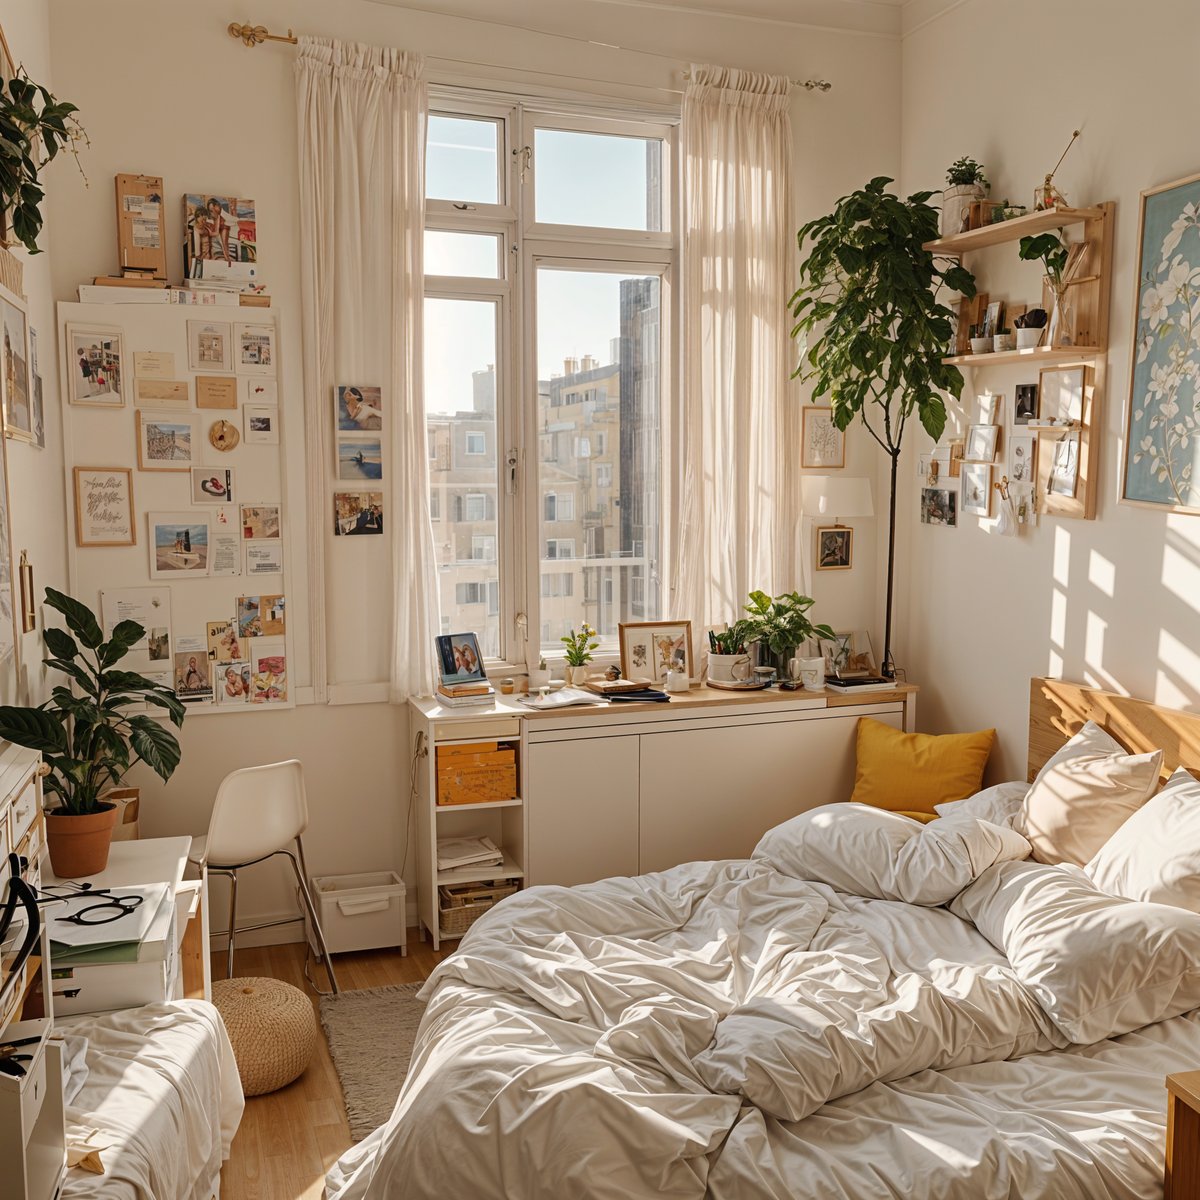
x,y
79,844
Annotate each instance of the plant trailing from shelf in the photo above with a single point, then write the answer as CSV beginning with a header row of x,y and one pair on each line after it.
x,y
34,127
780,626
966,172
868,300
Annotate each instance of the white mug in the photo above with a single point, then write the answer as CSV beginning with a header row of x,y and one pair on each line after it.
x,y
678,681
729,668
812,674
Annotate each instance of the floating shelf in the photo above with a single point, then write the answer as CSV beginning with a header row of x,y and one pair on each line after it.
x,y
445,808
1039,354
507,870
957,244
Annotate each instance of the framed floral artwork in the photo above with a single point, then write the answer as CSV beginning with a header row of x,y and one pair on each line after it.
x,y
652,648
823,443
1162,429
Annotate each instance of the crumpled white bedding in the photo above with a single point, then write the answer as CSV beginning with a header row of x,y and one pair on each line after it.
x,y
163,1091
805,1023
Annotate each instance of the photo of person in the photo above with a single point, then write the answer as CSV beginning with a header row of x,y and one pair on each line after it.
x,y
193,679
359,408
221,230
459,658
1026,404
939,506
18,406
357,513
233,683
96,366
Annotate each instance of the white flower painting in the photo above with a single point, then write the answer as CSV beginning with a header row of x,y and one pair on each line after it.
x,y
1162,459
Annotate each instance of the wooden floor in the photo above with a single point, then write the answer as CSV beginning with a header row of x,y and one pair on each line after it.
x,y
288,1139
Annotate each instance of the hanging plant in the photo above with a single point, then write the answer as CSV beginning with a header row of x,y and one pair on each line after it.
x,y
34,127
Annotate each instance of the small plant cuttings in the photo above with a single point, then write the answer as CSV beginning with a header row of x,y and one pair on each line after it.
x,y
964,172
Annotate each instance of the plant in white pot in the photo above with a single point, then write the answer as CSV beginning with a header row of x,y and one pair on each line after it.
x,y
780,627
579,653
1029,326
965,181
87,737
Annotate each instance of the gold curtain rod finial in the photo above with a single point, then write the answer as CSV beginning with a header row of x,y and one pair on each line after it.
x,y
255,35
816,85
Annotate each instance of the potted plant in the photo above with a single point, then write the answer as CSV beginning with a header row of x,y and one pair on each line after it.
x,y
34,127
870,288
1003,339
1029,326
965,181
87,737
579,653
780,626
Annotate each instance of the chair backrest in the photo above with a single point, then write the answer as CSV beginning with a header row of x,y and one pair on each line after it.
x,y
258,810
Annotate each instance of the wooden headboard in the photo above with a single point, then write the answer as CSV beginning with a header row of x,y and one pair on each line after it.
x,y
1058,710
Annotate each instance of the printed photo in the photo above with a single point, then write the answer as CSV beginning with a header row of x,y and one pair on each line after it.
x,y
166,443
18,395
359,409
459,658
357,512
1026,404
835,548
193,678
220,238
260,616
260,521
233,682
939,506
178,545
360,458
224,645
268,683
255,349
260,424
977,489
1064,473
211,486
209,346
96,361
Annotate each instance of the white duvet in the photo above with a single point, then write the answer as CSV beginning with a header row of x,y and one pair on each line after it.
x,y
679,1033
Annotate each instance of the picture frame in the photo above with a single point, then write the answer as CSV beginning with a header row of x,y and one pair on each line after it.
x,y
849,655
1059,475
976,494
835,548
179,544
1026,404
359,460
254,348
260,389
95,366
939,506
1022,458
823,444
210,346
991,406
213,485
655,647
16,367
104,512
357,513
459,658
1061,394
358,409
166,441
260,424
982,444
28,594
8,597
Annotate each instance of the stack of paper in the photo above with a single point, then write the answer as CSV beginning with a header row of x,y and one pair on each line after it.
x,y
468,852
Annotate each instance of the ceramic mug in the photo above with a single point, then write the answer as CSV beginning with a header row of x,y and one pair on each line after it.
x,y
678,681
812,674
729,668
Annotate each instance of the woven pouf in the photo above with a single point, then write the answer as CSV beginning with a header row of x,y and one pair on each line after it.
x,y
272,1028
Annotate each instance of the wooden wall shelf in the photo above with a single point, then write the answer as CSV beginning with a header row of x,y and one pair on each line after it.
x,y
957,244
1040,355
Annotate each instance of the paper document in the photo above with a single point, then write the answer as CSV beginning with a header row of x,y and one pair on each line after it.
x,y
130,927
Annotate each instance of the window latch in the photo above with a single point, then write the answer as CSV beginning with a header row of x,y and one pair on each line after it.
x,y
510,468
523,155
464,207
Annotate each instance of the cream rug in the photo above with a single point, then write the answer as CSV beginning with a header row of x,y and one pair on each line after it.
x,y
371,1034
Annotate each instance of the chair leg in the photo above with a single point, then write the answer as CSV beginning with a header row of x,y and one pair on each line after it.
x,y
302,878
232,921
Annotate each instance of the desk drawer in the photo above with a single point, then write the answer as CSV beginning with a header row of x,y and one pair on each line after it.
x,y
23,812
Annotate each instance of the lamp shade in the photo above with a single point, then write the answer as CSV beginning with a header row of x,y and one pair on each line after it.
x,y
832,496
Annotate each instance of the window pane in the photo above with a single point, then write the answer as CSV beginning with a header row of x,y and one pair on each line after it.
x,y
471,254
599,450
461,154
460,395
597,179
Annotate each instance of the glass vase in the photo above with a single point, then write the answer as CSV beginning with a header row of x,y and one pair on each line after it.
x,y
1062,321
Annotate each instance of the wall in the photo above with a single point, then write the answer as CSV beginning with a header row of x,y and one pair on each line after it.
x,y
1112,602
205,112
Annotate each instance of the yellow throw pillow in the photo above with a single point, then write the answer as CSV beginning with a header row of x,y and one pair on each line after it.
x,y
911,772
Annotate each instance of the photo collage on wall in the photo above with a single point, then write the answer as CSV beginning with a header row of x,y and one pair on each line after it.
x,y
358,446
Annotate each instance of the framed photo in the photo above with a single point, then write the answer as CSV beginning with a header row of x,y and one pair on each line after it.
x,y
823,443
260,390
260,424
212,485
8,601
193,676
216,391
459,658
655,647
977,489
939,506
1062,394
991,405
359,409
254,349
835,548
1025,404
360,459
104,507
178,544
982,443
166,442
261,522
848,655
18,385
210,345
357,513
161,394
95,366
1022,458
1061,465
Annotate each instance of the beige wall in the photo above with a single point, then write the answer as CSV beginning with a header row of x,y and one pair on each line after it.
x,y
164,90
1113,602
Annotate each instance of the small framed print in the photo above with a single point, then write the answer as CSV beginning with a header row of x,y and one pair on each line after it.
x,y
976,493
655,647
216,391
210,345
260,391
1022,458
835,548
1025,406
260,424
95,366
212,485
178,545
982,443
1062,394
1058,464
359,409
18,377
848,655
360,460
823,443
166,442
104,507
939,506
254,349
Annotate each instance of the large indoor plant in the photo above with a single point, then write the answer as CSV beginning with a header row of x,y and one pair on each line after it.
x,y
868,300
780,626
87,736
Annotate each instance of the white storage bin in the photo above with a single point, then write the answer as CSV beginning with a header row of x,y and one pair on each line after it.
x,y
361,912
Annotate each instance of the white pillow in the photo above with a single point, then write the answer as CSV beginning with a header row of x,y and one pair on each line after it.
x,y
1155,855
998,805
1084,794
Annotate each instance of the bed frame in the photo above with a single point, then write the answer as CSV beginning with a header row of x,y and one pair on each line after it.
x,y
1058,710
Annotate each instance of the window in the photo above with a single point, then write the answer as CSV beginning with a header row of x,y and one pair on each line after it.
x,y
549,256
435,506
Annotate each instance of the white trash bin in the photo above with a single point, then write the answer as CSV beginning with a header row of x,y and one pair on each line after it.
x,y
361,912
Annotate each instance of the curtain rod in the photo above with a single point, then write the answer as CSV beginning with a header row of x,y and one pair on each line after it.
x,y
255,35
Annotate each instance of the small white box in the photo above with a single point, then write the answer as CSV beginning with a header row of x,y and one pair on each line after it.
x,y
361,912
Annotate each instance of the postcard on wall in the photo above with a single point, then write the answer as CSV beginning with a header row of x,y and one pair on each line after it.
x,y
104,507
154,364
178,545
150,607
216,391
357,513
95,364
193,676
233,682
224,645
225,549
18,390
939,506
268,679
261,616
259,390
360,459
212,485
166,443
359,409
161,393
264,558
260,424
254,348
220,238
260,521
210,345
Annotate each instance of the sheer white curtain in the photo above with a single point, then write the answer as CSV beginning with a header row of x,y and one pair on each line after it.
x,y
362,113
739,507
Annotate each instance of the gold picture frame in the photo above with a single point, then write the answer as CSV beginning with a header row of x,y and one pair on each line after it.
x,y
652,648
835,548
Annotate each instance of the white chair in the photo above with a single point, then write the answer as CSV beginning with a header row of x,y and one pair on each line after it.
x,y
259,812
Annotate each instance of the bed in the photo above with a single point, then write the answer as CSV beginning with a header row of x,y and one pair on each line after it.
x,y
865,1008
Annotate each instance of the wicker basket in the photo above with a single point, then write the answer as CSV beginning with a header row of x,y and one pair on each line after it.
x,y
460,905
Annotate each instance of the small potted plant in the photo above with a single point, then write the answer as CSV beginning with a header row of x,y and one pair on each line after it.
x,y
779,627
579,653
981,343
87,737
965,181
1029,326
539,677
1002,340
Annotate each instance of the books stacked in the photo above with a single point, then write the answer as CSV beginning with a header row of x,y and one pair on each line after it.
x,y
453,853
460,695
130,287
864,683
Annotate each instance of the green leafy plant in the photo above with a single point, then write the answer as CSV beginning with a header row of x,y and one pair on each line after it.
x,y
731,640
580,645
86,736
1052,250
1033,318
868,299
966,171
34,127
780,624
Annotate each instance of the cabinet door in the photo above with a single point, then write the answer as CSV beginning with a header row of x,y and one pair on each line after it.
x,y
712,793
583,809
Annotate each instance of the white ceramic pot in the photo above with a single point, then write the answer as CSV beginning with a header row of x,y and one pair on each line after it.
x,y
1027,339
981,345
578,676
1003,341
955,202
729,668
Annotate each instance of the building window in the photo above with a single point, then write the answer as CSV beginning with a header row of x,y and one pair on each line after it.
x,y
559,506
483,547
474,507
604,475
560,547
435,506
476,442
557,583
470,593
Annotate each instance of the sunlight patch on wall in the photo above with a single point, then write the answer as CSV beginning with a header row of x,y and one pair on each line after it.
x,y
1178,670
1102,574
1181,572
1062,557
